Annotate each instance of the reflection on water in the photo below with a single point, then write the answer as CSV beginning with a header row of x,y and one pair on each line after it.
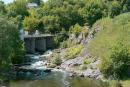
x,y
58,79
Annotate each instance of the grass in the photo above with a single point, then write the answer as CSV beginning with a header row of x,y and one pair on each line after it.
x,y
126,82
112,31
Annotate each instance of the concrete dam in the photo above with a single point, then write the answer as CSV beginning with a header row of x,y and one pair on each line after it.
x,y
38,43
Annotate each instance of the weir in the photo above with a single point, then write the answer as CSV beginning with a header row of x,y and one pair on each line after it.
x,y
38,43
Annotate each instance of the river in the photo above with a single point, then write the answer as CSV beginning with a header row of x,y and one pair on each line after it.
x,y
58,79
55,78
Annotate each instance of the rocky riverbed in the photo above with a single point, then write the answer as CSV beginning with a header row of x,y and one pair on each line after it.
x,y
75,66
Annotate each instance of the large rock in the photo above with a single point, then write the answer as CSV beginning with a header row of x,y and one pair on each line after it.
x,y
72,62
92,73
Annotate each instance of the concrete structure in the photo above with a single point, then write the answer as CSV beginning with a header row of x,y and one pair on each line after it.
x,y
32,5
38,43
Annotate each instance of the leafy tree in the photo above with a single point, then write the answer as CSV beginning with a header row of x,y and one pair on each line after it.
x,y
30,23
2,8
11,49
115,8
92,11
51,24
18,7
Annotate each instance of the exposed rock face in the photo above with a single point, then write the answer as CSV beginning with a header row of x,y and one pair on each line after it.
x,y
92,73
74,65
72,62
92,70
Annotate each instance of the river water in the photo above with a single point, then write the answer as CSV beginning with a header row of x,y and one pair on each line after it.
x,y
58,79
39,78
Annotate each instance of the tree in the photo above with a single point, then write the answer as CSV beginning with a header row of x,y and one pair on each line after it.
x,y
18,7
114,8
33,22
30,24
11,49
92,11
2,7
51,24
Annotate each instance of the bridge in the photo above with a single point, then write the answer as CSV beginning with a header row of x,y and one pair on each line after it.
x,y
38,43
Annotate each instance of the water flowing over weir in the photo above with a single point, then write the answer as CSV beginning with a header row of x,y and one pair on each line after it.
x,y
35,67
36,74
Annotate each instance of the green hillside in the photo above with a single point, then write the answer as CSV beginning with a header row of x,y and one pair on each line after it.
x,y
112,42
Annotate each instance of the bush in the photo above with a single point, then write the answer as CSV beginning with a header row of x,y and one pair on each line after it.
x,y
68,43
87,61
73,51
85,31
76,29
103,46
56,59
118,62
59,38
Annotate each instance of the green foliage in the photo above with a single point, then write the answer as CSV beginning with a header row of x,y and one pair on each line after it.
x,y
118,62
56,59
11,49
113,56
72,52
92,11
87,61
2,8
51,24
30,23
76,29
68,43
18,7
114,8
59,38
114,83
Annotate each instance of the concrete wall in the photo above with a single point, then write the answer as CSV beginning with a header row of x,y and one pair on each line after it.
x,y
30,45
40,44
50,42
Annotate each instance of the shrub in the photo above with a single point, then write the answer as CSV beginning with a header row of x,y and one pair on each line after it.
x,y
115,32
73,51
85,31
87,61
59,38
68,43
56,59
118,61
76,29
